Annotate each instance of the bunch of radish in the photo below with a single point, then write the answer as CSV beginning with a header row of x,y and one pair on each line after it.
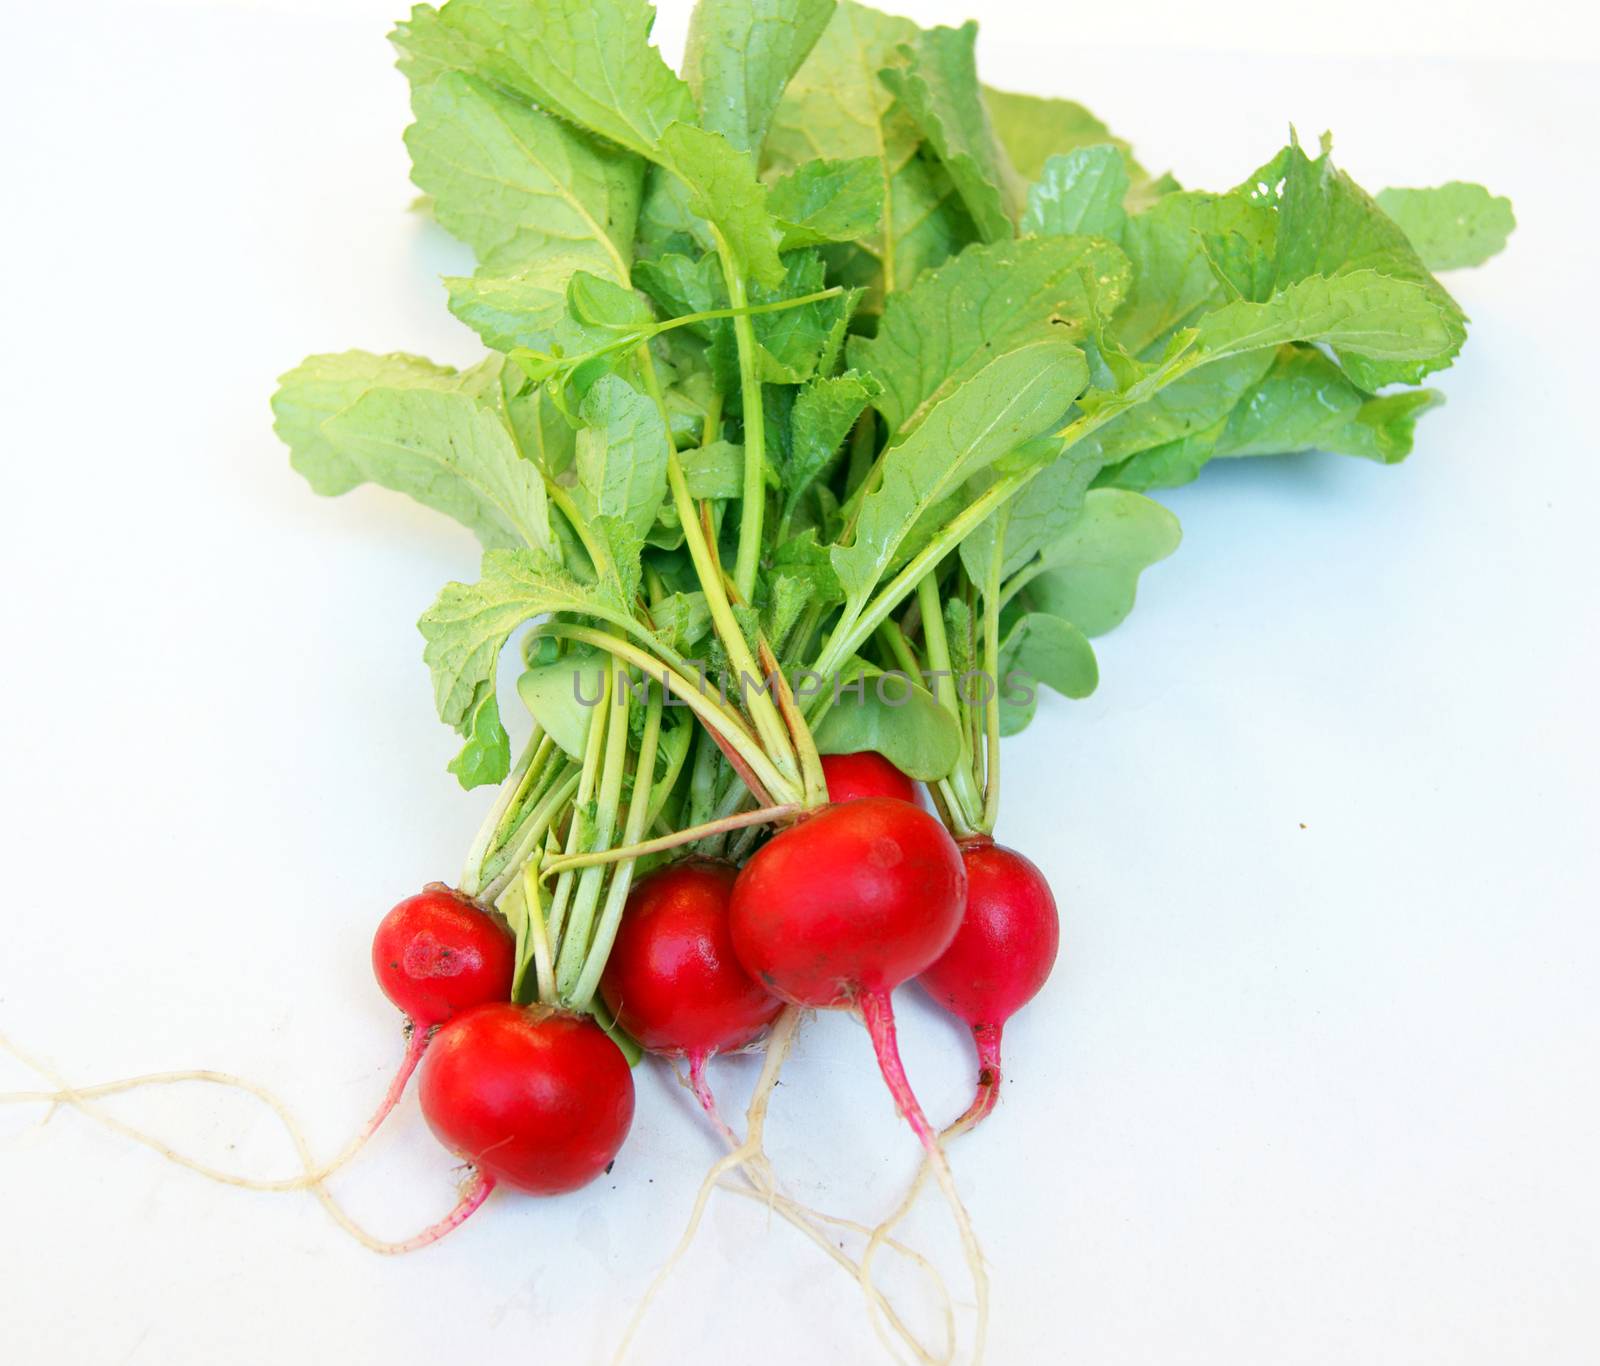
x,y
822,392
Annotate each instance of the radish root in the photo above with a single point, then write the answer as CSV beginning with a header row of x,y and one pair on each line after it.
x,y
749,1158
312,1177
983,1103
877,1014
762,1186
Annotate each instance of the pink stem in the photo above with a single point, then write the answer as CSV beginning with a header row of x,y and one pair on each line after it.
x,y
706,1096
473,1196
415,1046
703,1093
878,1014
987,1037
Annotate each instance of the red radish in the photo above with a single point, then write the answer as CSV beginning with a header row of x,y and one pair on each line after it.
x,y
841,908
999,958
672,979
532,1096
848,903
436,954
865,774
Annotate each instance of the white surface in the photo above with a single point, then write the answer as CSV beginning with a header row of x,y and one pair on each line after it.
x,y
1314,1082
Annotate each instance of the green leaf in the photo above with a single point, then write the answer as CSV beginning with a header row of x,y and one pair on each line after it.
x,y
828,201
726,191
1195,402
1010,400
1360,313
1329,226
562,696
527,309
1033,129
1174,279
320,386
516,184
1297,405
587,61
682,620
792,344
682,284
449,453
599,303
486,757
802,558
469,624
937,81
622,455
1089,575
1042,649
990,299
895,717
1079,192
837,109
1451,226
1383,428
824,412
715,470
740,55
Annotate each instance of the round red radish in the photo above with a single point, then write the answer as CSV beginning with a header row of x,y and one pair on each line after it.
x,y
1000,956
672,979
440,952
535,1097
865,773
854,899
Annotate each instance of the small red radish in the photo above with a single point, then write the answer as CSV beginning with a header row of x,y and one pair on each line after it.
x,y
865,773
673,981
999,958
532,1096
841,908
436,954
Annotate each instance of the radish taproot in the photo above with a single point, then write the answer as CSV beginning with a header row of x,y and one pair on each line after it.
x,y
999,959
673,981
865,773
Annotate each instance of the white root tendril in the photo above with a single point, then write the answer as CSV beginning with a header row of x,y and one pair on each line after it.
x,y
749,1158
312,1176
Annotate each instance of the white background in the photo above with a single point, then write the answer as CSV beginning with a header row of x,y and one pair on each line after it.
x,y
1315,1081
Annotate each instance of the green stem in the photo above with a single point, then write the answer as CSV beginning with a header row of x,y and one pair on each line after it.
x,y
703,779
713,715
991,665
754,504
618,1035
691,834
965,799
626,341
510,791
580,923
539,821
605,932
593,752
940,672
862,619
679,739
538,934
769,725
